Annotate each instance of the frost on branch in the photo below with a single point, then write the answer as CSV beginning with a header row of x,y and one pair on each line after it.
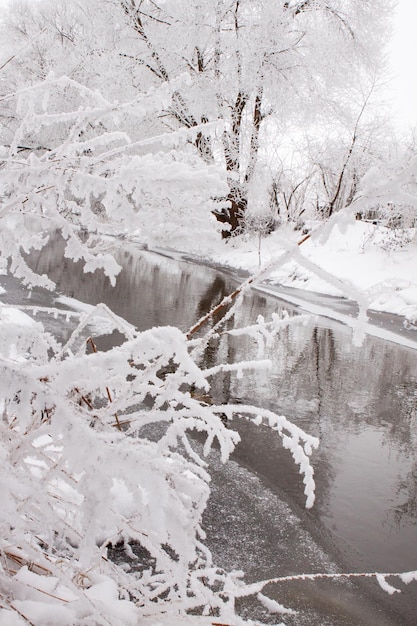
x,y
294,439
72,167
104,484
80,480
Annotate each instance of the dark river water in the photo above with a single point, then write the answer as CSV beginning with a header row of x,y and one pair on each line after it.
x,y
360,401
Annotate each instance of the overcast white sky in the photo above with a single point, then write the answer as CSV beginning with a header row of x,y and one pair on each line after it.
x,y
404,62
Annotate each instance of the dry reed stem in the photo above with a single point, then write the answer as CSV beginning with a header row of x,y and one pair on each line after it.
x,y
94,349
21,561
51,595
84,399
121,423
22,616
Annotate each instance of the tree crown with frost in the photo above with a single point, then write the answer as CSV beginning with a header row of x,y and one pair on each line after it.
x,y
261,69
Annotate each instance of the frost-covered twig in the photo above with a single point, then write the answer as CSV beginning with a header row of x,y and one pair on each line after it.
x,y
296,440
265,333
254,588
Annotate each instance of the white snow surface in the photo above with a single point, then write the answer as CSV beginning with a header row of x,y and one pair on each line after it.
x,y
378,262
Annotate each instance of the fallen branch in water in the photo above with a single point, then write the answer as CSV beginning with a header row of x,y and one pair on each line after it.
x,y
228,299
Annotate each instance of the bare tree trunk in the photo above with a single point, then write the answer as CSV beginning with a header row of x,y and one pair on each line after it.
x,y
337,192
179,110
254,141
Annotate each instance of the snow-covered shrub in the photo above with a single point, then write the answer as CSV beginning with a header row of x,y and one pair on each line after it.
x,y
102,487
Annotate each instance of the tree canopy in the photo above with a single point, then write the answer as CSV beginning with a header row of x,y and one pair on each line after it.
x,y
243,76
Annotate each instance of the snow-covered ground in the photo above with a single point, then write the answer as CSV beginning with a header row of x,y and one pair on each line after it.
x,y
377,263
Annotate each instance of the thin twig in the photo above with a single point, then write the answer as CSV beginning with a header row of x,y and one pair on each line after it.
x,y
14,56
94,348
22,616
40,191
84,399
253,588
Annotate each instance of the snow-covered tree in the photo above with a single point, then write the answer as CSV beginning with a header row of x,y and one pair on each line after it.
x,y
251,63
93,175
259,67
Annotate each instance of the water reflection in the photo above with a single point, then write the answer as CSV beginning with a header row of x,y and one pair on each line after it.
x,y
150,291
360,401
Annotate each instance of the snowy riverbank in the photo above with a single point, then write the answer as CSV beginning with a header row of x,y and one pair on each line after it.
x,y
377,263
364,256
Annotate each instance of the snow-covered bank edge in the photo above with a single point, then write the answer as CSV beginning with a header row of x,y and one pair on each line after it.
x,y
369,327
360,257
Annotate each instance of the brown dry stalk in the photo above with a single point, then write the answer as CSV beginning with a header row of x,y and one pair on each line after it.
x,y
33,567
22,616
94,349
120,423
51,595
227,299
84,399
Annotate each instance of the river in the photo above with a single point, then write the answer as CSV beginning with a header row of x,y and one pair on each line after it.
x,y
361,401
